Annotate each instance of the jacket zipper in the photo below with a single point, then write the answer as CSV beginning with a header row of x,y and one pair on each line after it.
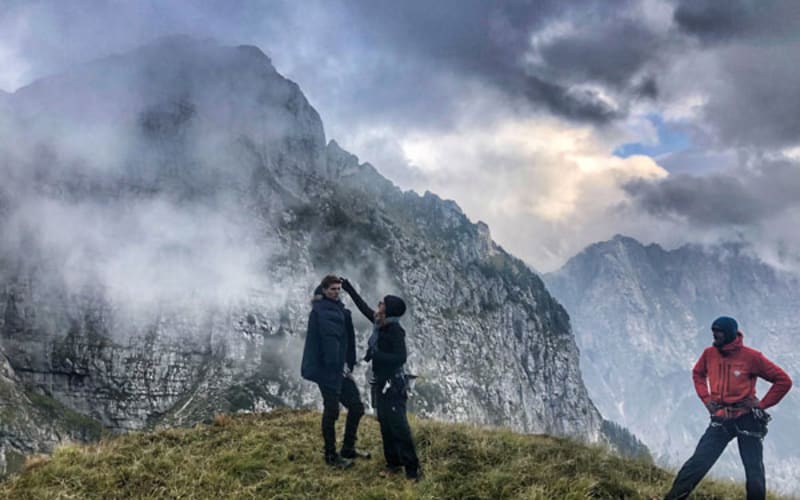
x,y
724,379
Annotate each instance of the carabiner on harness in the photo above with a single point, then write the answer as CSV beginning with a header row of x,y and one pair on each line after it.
x,y
745,432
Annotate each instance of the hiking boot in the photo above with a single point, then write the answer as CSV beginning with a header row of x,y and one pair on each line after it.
x,y
414,475
337,461
353,453
391,470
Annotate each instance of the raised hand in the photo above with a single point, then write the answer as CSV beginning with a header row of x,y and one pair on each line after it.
x,y
346,285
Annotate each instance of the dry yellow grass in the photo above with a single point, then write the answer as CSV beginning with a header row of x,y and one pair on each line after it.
x,y
278,455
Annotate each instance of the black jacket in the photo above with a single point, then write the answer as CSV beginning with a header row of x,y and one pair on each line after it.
x,y
391,353
330,343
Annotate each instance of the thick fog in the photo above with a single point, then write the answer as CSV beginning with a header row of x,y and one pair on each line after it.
x,y
134,178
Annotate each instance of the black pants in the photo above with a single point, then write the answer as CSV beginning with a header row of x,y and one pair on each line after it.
x,y
398,445
350,398
711,446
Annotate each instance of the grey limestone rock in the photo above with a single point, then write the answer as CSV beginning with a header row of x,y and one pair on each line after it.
x,y
161,271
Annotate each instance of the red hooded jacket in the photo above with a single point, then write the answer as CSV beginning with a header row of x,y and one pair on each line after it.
x,y
728,376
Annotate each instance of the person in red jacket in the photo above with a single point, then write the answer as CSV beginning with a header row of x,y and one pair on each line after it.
x,y
725,380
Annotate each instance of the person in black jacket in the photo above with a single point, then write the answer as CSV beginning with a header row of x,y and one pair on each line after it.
x,y
387,351
329,357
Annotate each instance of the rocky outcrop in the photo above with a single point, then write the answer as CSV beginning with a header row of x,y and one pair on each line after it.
x,y
642,317
177,283
33,422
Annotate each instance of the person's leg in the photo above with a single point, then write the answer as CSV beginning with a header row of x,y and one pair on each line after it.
x,y
708,450
401,434
330,413
351,399
751,450
384,419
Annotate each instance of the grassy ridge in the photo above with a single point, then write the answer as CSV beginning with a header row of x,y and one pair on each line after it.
x,y
278,455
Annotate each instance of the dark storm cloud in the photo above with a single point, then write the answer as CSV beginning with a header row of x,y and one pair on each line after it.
x,y
408,63
492,39
755,102
583,105
416,64
712,20
648,88
491,42
611,52
752,101
739,197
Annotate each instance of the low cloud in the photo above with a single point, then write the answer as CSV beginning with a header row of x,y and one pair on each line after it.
x,y
755,203
141,253
135,187
743,196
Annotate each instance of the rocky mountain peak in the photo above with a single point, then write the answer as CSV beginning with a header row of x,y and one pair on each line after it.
x,y
135,118
169,213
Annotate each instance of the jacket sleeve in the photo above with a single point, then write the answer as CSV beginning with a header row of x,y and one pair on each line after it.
x,y
700,379
312,331
350,357
781,383
313,341
362,306
398,355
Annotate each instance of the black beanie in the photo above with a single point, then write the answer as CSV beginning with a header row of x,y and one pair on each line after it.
x,y
394,306
726,325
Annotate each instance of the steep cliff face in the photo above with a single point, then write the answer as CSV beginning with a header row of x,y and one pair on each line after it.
x,y
173,208
491,343
33,422
642,317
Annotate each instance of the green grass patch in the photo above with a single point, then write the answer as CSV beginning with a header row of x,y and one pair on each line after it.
x,y
278,455
88,428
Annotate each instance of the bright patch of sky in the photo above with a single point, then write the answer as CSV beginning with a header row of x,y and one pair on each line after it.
x,y
13,70
669,140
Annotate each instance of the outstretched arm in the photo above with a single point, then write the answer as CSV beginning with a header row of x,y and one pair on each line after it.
x,y
362,306
350,357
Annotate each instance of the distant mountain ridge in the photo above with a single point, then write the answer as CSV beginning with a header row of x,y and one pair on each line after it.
x,y
642,316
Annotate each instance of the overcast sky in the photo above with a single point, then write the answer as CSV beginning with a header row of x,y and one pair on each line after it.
x,y
559,123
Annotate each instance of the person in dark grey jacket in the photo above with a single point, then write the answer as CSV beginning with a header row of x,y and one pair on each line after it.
x,y
387,351
329,357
